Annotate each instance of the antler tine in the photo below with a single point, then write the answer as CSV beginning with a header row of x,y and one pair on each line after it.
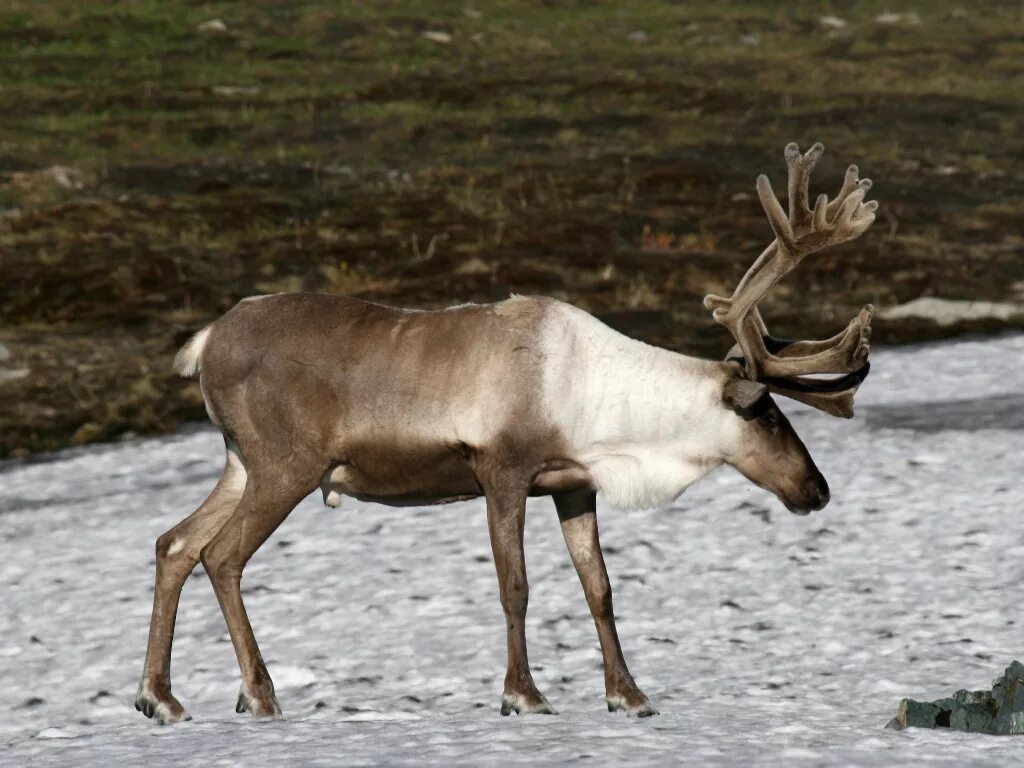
x,y
860,327
820,217
833,403
854,215
781,226
800,167
849,184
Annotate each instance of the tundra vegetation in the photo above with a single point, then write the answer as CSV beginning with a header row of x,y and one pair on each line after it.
x,y
159,161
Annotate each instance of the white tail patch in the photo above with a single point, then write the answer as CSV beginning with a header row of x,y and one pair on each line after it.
x,y
187,362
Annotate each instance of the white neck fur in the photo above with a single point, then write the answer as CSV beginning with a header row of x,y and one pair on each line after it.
x,y
644,421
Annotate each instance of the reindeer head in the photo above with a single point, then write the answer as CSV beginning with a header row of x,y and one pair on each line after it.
x,y
766,448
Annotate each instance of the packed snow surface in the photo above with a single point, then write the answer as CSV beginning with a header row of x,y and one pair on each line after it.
x,y
763,637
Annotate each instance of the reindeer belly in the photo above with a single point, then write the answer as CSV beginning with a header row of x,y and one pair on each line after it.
x,y
401,478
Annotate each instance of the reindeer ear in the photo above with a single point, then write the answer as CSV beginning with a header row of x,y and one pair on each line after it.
x,y
742,394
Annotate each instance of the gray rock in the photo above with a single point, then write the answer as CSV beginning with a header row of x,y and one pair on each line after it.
x,y
5,354
972,717
947,705
998,690
1008,690
1013,698
973,697
1010,722
1000,710
917,714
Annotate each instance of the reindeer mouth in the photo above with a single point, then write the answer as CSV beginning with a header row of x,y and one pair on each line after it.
x,y
797,510
805,508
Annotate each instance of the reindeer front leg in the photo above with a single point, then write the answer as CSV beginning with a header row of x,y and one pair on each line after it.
x,y
578,517
506,515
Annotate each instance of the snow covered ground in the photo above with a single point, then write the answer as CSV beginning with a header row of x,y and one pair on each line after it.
x,y
764,638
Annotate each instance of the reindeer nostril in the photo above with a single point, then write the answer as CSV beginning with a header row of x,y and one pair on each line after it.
x,y
823,495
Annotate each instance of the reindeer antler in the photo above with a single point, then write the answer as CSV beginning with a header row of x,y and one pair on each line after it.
x,y
784,364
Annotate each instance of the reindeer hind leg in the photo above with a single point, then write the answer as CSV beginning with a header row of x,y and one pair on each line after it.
x,y
177,553
271,492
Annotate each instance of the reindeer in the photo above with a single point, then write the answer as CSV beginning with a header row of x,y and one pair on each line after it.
x,y
528,396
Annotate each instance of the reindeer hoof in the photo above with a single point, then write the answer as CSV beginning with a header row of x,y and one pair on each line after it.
x,y
526,704
636,705
261,707
166,709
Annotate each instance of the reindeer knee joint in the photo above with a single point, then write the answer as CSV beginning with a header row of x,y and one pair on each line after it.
x,y
168,545
218,567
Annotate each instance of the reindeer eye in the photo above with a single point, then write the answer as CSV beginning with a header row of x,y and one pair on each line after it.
x,y
769,422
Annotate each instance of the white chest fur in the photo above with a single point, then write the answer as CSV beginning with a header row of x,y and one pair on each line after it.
x,y
633,476
644,421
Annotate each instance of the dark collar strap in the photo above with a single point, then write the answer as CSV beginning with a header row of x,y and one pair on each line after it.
x,y
849,381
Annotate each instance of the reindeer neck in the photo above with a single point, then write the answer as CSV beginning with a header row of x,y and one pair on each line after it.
x,y
627,391
648,394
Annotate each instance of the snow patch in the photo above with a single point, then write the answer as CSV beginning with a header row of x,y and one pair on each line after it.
x,y
950,311
54,733
763,638
285,676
